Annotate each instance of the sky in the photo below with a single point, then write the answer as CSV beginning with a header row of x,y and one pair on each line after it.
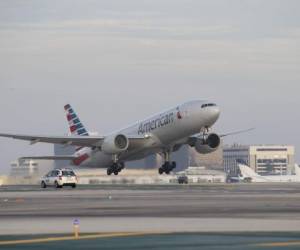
x,y
120,61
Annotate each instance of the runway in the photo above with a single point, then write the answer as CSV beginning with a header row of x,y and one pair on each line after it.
x,y
150,209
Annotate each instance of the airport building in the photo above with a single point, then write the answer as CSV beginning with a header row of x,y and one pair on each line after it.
x,y
263,159
203,175
27,168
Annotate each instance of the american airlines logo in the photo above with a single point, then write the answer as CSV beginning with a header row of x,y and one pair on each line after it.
x,y
156,123
179,116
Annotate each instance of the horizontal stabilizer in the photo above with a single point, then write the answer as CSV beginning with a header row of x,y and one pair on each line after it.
x,y
60,157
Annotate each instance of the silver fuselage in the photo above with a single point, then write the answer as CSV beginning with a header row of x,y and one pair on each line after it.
x,y
164,131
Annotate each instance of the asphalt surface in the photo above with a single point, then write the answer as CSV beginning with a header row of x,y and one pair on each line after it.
x,y
211,216
183,241
185,201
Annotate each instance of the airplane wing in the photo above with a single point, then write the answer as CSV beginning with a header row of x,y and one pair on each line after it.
x,y
237,132
82,141
200,135
60,157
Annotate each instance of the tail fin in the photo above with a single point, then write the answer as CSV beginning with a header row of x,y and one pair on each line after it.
x,y
297,170
75,125
247,171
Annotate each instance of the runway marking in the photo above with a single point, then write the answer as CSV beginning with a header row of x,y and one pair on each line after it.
x,y
84,237
279,244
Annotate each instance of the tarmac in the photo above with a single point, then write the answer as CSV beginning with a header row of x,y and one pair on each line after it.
x,y
255,216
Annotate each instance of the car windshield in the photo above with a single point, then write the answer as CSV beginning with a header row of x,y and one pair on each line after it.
x,y
68,173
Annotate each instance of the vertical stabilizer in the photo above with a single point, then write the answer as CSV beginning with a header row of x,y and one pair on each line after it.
x,y
247,171
297,170
75,125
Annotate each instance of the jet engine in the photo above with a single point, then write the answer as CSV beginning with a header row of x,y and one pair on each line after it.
x,y
115,144
208,144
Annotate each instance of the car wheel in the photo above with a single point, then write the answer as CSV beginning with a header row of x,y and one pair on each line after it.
x,y
43,184
57,185
74,186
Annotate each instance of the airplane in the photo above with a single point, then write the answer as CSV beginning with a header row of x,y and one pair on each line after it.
x,y
248,174
186,124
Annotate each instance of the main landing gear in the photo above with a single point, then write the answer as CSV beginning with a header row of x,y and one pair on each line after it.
x,y
168,166
116,168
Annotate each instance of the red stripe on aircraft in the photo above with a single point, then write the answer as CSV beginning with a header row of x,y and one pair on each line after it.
x,y
77,161
73,128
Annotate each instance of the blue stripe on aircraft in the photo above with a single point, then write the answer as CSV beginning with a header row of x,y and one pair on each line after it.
x,y
76,121
81,131
78,126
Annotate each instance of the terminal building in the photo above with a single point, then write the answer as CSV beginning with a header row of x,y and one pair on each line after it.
x,y
203,175
263,159
27,168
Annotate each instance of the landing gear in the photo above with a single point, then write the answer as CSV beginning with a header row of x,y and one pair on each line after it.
x,y
116,168
168,166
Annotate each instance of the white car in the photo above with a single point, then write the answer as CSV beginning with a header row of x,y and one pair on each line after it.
x,y
59,178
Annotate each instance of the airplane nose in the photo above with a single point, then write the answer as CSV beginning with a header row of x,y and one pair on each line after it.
x,y
214,113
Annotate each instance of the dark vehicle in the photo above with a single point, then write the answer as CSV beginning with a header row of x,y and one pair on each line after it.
x,y
183,180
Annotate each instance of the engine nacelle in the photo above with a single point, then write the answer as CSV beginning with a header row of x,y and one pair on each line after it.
x,y
208,145
115,144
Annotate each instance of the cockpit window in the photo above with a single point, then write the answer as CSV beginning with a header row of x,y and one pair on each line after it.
x,y
208,105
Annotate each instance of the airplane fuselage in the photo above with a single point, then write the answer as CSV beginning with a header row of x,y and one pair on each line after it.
x,y
163,130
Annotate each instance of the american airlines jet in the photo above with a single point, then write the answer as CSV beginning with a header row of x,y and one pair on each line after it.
x,y
185,124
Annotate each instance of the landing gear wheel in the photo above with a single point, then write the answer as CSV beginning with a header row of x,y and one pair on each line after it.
x,y
109,172
173,165
167,167
116,172
160,171
43,184
74,185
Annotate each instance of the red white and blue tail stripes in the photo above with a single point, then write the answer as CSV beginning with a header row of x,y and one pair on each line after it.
x,y
75,125
77,128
